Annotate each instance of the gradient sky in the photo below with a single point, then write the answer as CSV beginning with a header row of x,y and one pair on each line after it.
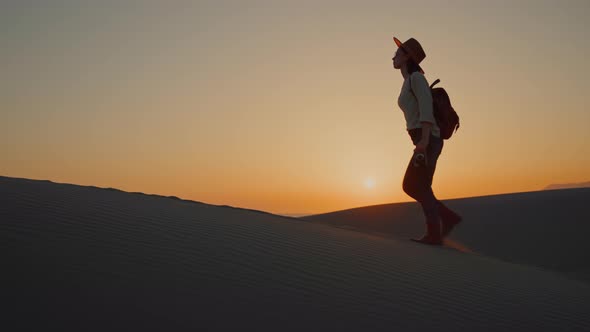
x,y
289,106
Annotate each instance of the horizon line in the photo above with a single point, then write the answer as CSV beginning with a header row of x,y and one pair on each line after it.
x,y
582,185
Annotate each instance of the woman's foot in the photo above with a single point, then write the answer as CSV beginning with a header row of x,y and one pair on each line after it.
x,y
432,236
429,240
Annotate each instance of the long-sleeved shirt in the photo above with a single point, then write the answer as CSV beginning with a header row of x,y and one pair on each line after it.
x,y
417,107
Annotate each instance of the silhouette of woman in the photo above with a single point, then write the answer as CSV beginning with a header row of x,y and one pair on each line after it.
x,y
415,101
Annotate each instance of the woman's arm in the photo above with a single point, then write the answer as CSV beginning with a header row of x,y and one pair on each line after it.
x,y
423,143
424,98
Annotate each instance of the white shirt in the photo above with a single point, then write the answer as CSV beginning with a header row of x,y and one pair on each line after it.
x,y
417,107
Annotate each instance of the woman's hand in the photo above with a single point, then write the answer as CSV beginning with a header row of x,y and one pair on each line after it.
x,y
421,146
423,143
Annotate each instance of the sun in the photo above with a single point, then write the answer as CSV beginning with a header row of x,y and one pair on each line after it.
x,y
369,183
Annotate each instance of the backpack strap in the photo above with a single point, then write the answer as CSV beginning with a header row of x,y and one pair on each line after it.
x,y
431,85
435,82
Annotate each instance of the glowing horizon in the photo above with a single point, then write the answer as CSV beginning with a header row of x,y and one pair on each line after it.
x,y
290,108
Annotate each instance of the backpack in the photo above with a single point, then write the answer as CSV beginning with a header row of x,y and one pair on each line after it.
x,y
444,114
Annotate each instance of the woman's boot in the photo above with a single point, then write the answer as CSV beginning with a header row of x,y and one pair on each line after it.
x,y
449,219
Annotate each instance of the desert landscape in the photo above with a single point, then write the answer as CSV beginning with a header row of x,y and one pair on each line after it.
x,y
88,258
264,165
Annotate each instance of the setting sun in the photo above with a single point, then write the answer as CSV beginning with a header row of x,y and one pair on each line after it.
x,y
370,183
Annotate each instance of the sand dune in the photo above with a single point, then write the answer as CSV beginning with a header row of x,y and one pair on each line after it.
x,y
87,258
568,185
546,229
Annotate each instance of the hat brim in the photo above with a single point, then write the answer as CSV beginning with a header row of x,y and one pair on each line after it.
x,y
400,44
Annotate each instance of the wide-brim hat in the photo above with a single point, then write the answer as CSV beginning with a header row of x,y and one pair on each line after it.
x,y
414,49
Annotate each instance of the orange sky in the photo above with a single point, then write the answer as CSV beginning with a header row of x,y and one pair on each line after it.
x,y
290,107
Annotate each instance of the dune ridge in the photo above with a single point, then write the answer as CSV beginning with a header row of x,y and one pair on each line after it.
x,y
568,185
96,259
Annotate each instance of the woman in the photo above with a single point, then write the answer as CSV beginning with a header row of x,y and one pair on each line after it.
x,y
415,100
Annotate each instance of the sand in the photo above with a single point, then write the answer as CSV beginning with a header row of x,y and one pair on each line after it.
x,y
546,229
87,258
